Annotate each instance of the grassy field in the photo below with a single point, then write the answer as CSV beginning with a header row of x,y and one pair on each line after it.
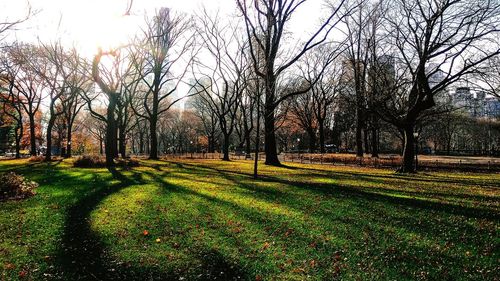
x,y
210,220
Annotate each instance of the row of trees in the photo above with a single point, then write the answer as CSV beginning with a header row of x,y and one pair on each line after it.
x,y
378,65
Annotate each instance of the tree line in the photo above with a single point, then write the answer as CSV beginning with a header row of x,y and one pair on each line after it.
x,y
371,67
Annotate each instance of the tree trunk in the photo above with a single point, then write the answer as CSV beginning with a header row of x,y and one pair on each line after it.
x,y
50,125
18,135
68,143
257,140
359,137
312,140
365,140
321,127
111,132
375,139
248,148
141,143
270,138
122,144
33,151
225,148
408,165
153,152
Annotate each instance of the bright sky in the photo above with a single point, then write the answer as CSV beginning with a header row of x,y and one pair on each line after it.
x,y
92,23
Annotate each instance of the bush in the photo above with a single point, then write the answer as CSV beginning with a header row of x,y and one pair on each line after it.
x,y
90,161
14,186
129,162
96,161
38,158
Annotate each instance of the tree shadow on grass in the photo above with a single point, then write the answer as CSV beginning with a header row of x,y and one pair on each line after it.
x,y
371,194
83,256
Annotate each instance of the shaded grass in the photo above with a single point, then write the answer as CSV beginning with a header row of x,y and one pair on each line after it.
x,y
214,221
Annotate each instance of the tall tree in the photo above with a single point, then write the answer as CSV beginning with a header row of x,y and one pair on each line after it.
x,y
226,80
435,44
166,42
266,24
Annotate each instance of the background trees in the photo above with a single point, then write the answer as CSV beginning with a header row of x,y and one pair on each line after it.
x,y
370,77
435,45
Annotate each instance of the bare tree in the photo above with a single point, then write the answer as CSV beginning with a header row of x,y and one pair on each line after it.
x,y
12,105
109,81
226,81
167,40
28,84
266,23
435,44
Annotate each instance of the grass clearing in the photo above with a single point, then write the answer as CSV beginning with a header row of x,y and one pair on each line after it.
x,y
212,220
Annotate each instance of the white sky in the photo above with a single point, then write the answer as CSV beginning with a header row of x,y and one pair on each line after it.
x,y
89,24
92,23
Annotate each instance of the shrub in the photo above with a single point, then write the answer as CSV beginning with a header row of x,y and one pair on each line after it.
x,y
90,161
95,161
129,162
38,158
14,186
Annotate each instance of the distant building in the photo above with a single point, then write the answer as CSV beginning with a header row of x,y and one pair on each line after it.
x,y
477,103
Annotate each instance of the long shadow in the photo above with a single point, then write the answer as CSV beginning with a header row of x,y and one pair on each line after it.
x,y
331,189
82,255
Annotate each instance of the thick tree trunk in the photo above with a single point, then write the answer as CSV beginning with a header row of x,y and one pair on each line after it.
x,y
321,127
153,152
312,140
18,135
248,148
359,139
225,148
365,140
141,143
122,144
33,151
375,139
111,133
408,165
69,136
50,125
270,138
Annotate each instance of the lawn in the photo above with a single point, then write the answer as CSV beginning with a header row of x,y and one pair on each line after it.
x,y
210,220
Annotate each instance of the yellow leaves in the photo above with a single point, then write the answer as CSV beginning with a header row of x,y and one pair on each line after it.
x,y
158,240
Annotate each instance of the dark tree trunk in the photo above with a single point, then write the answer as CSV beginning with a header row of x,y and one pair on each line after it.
x,y
321,127
123,144
48,152
270,138
312,140
33,151
101,149
408,165
248,148
375,139
153,152
141,143
359,139
225,148
18,135
365,140
111,132
69,136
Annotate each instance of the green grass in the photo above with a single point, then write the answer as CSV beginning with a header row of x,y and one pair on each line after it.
x,y
214,221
